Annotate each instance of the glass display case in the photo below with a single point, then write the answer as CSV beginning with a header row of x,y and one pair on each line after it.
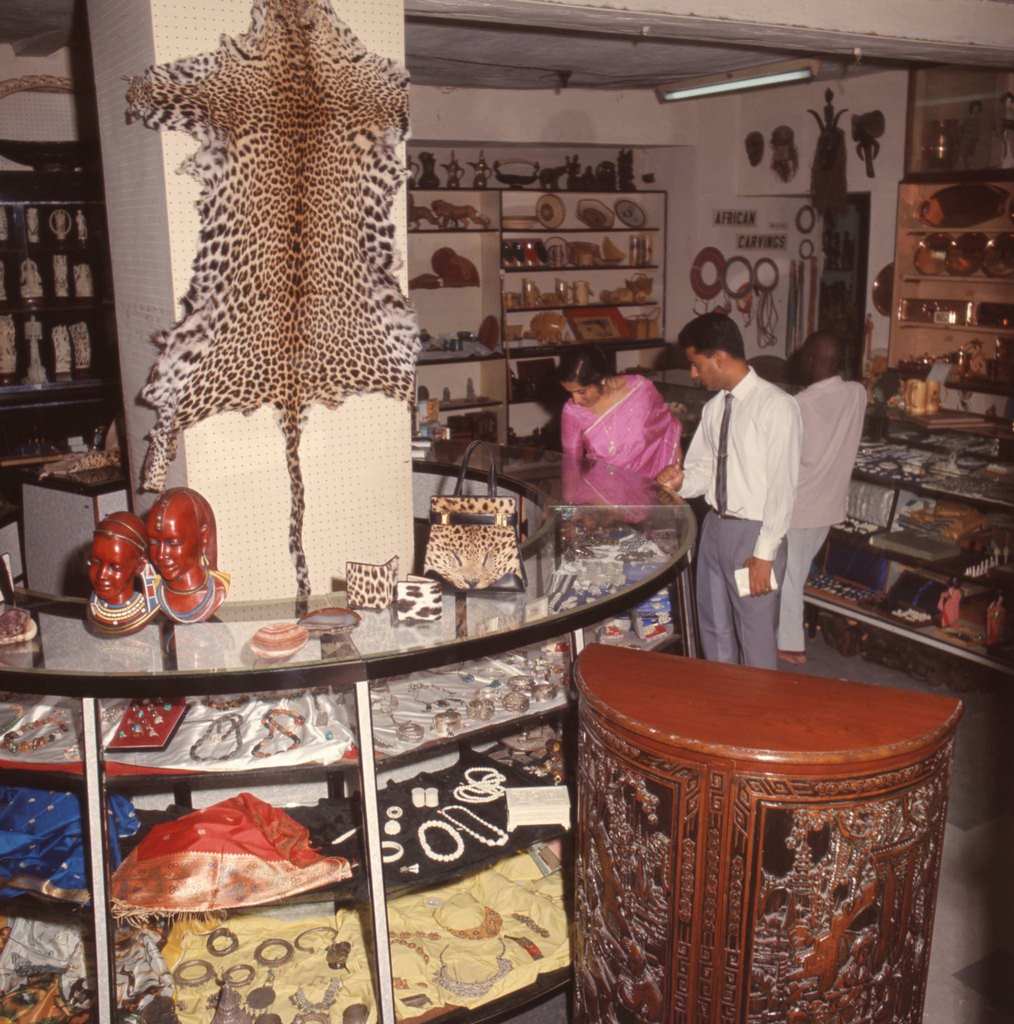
x,y
961,121
353,833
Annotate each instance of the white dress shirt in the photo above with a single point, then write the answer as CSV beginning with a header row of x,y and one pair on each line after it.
x,y
832,411
762,467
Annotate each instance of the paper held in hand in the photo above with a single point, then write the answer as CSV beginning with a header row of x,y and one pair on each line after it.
x,y
538,805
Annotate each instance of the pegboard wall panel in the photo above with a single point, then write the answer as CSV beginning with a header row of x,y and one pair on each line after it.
x,y
358,496
357,470
134,173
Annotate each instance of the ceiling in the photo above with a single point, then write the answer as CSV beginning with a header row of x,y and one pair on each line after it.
x,y
444,50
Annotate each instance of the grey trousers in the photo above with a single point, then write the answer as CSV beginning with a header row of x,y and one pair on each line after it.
x,y
802,543
734,629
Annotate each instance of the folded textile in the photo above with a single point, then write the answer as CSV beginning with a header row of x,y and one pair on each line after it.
x,y
41,845
241,852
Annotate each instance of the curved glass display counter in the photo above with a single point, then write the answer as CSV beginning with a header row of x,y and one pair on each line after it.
x,y
390,744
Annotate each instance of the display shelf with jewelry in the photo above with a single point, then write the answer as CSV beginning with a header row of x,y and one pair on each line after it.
x,y
495,663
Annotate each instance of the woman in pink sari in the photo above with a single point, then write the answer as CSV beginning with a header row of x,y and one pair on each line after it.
x,y
620,419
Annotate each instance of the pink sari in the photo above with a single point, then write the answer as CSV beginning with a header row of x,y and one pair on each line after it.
x,y
638,432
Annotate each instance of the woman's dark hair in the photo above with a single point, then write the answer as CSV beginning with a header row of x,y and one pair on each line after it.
x,y
585,366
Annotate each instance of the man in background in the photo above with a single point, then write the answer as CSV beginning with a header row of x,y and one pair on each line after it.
x,y
744,459
832,411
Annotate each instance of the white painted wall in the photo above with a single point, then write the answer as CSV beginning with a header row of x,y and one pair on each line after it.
x,y
696,149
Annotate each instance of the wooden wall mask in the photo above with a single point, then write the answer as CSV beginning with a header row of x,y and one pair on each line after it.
x,y
293,299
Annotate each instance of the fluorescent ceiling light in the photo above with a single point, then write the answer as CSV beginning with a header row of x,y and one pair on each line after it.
x,y
738,81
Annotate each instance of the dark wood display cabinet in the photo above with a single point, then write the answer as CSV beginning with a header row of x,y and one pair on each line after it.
x,y
354,730
754,846
58,365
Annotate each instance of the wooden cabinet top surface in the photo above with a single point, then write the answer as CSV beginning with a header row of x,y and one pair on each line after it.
x,y
758,715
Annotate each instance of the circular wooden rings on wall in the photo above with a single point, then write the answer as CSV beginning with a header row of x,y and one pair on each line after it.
x,y
707,257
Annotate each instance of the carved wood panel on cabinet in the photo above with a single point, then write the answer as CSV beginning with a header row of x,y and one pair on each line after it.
x,y
716,883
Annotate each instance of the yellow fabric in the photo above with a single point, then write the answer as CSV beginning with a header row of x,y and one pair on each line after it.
x,y
513,886
188,940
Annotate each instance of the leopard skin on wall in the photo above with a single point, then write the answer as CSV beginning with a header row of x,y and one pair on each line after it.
x,y
293,298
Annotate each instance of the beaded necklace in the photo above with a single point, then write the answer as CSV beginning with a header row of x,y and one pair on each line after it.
x,y
473,989
15,745
500,839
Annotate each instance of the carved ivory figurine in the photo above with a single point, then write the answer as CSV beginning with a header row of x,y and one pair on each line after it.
x,y
31,282
116,608
8,350
183,546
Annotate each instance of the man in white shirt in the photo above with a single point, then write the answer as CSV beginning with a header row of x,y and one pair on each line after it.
x,y
744,459
832,411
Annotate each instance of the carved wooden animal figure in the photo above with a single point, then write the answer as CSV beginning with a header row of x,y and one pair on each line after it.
x,y
292,300
418,214
451,216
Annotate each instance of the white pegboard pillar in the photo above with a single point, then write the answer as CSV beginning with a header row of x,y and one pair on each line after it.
x,y
356,459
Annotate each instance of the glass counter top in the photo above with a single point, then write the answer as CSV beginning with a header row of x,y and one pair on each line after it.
x,y
597,539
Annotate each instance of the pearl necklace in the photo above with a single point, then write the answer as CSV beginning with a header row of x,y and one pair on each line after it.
x,y
501,836
458,850
481,786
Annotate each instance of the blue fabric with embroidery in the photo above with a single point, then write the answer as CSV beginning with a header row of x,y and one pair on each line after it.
x,y
42,840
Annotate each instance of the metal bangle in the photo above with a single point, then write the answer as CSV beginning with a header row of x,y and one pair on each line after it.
x,y
283,959
332,933
806,249
222,933
232,978
207,975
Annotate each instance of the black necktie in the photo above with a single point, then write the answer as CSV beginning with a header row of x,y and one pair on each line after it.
x,y
721,480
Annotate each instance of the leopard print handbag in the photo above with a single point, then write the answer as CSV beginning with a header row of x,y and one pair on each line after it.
x,y
474,541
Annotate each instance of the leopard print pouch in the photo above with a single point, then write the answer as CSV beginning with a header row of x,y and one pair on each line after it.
x,y
371,586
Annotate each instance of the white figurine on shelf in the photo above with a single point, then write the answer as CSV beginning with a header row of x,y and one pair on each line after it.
x,y
82,347
3,224
32,223
36,371
3,283
61,351
60,223
61,287
8,350
83,288
82,226
31,282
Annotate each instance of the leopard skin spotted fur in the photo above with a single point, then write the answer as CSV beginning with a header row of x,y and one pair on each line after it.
x,y
293,299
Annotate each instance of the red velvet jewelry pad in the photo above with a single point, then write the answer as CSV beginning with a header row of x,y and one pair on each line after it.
x,y
148,724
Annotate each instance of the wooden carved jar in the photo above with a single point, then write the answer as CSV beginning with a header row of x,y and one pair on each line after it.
x,y
754,846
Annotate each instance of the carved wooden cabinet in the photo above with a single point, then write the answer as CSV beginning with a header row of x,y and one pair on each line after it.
x,y
754,846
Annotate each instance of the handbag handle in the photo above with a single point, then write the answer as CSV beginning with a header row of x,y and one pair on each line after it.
x,y
491,486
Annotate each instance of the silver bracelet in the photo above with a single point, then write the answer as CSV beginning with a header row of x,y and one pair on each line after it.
x,y
431,823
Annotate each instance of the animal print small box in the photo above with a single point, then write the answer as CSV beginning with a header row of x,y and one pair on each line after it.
x,y
418,599
371,586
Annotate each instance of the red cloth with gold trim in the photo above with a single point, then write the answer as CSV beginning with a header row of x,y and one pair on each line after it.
x,y
241,852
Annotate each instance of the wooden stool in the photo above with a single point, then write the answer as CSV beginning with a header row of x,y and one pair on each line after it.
x,y
754,846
